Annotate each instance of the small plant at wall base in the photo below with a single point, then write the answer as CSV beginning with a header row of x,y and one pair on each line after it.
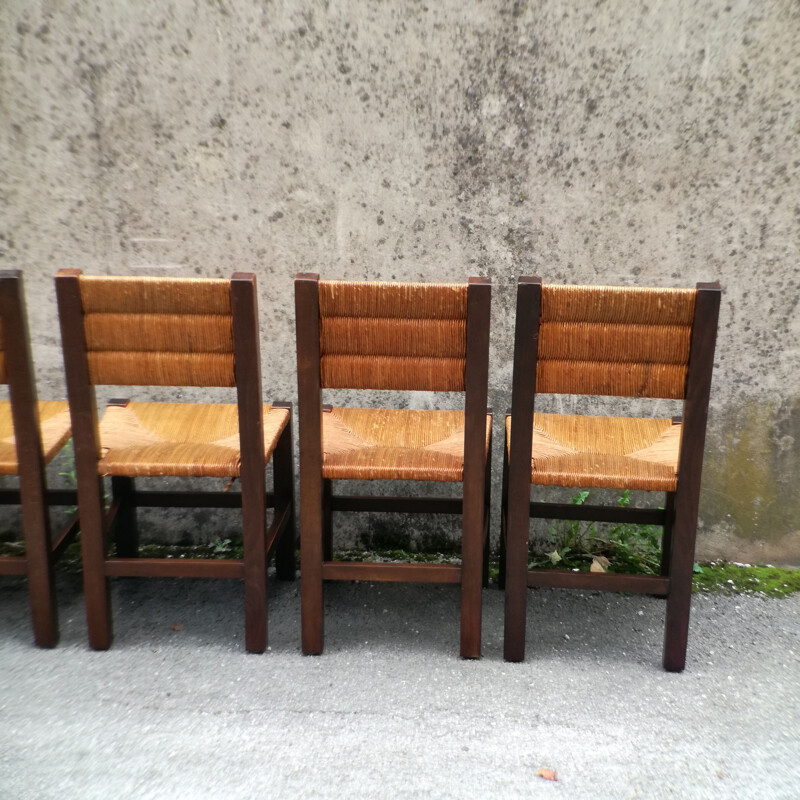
x,y
620,547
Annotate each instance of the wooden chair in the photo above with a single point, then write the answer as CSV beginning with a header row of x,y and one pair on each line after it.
x,y
173,332
402,336
31,434
627,342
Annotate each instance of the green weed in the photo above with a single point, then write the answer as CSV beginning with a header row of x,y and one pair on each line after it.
x,y
618,547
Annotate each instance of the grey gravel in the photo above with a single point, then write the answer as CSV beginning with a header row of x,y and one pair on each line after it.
x,y
177,709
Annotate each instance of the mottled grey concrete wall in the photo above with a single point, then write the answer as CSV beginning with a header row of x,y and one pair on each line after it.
x,y
608,142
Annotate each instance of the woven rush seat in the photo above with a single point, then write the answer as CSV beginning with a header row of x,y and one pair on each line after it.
x,y
604,452
54,429
394,444
182,439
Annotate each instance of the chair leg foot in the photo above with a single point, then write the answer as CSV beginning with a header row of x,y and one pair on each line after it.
x,y
98,616
312,638
45,620
41,591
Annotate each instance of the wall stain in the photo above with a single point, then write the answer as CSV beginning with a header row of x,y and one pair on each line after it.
x,y
752,460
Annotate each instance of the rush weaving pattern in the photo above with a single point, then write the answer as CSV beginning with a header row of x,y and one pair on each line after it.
x,y
393,336
620,341
158,331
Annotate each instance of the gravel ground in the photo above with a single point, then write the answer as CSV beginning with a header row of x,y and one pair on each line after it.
x,y
177,708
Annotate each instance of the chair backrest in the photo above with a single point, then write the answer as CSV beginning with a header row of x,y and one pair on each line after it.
x,y
620,341
156,331
401,336
407,336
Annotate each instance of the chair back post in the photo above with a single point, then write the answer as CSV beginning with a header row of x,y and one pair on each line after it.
x,y
309,401
698,378
690,466
86,442
476,378
309,383
247,372
247,359
476,374
80,391
523,393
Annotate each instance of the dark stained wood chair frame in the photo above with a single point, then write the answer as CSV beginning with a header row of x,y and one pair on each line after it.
x,y
317,501
678,518
33,496
99,526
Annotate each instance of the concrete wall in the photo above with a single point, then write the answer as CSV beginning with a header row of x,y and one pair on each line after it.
x,y
612,142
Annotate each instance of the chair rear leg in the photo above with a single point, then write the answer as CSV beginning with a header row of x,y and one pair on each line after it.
x,y
41,580
311,554
471,566
96,585
681,562
255,562
283,478
516,584
126,534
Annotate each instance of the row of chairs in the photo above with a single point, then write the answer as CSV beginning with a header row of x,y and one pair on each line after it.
x,y
646,343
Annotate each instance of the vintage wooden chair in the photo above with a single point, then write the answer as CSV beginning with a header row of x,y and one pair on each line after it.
x,y
402,336
173,332
31,434
627,342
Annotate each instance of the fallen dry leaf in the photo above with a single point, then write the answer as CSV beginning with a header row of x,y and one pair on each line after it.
x,y
599,564
547,774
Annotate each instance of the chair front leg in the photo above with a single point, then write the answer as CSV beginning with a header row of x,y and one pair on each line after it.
x,y
501,578
96,585
517,527
311,584
487,506
254,545
681,563
666,538
126,534
283,480
327,520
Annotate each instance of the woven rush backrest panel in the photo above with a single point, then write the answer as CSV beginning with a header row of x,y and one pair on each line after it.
x,y
393,335
158,331
621,341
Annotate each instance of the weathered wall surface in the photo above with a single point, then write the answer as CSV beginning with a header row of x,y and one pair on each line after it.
x,y
613,142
